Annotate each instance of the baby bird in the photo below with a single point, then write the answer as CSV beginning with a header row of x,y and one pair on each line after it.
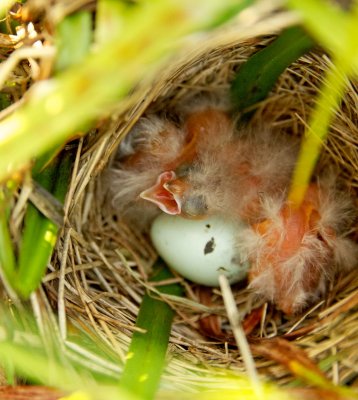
x,y
205,166
157,151
142,157
295,251
222,170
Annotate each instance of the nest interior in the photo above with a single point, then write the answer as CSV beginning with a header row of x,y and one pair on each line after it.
x,y
107,262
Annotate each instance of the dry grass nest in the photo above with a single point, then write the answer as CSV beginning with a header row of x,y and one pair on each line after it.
x,y
101,265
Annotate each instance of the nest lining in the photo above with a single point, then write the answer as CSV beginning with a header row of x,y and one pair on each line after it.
x,y
107,261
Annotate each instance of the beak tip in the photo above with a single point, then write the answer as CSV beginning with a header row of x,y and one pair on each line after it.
x,y
159,194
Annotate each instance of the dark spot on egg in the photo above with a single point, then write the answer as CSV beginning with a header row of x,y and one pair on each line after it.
x,y
210,246
208,226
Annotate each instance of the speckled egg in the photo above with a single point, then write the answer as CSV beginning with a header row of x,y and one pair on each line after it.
x,y
200,250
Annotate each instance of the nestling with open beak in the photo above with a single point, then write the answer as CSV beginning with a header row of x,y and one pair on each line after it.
x,y
205,166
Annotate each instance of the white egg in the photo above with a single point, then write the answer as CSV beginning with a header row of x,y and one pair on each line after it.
x,y
199,250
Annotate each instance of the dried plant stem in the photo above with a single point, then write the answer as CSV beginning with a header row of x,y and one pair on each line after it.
x,y
239,334
61,297
23,53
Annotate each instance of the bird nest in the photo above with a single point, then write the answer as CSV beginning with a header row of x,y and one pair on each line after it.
x,y
101,265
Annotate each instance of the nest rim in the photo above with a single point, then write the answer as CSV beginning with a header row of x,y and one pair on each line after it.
x,y
118,256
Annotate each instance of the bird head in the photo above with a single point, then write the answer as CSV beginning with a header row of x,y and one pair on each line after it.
x,y
173,195
185,187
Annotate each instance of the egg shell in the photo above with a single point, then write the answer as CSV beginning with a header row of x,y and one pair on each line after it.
x,y
199,250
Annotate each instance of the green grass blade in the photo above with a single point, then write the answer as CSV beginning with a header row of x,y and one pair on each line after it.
x,y
259,74
39,239
76,97
147,351
7,256
51,372
319,381
337,31
40,233
5,6
69,52
327,103
34,352
4,100
109,15
228,13
74,37
334,28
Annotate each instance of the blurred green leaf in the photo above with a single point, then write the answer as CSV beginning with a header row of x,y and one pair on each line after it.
x,y
51,372
259,74
40,233
59,107
334,28
327,103
243,391
337,31
318,381
5,100
109,20
5,6
147,351
228,13
69,52
7,255
31,348
74,37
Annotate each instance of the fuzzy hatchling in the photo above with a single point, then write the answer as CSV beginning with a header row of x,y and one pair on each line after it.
x,y
206,166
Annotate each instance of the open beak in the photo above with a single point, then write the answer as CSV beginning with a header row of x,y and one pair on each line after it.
x,y
160,194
